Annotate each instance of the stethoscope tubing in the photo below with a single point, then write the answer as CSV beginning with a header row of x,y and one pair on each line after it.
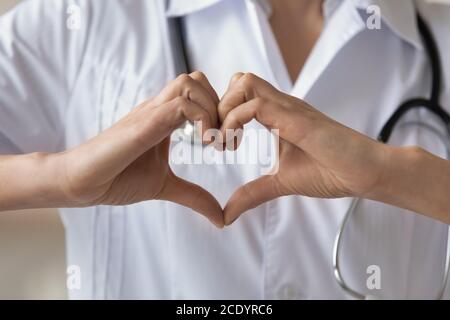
x,y
431,104
181,65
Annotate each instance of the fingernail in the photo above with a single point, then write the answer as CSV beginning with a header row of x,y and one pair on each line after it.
x,y
218,225
230,222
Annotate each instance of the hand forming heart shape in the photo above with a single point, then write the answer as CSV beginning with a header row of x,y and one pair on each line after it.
x,y
128,163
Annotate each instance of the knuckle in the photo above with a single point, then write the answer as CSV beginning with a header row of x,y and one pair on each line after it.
x,y
249,79
222,109
237,76
232,118
181,104
259,102
203,120
181,101
183,79
203,114
198,75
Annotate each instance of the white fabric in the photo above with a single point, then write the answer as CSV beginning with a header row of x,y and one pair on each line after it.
x,y
58,87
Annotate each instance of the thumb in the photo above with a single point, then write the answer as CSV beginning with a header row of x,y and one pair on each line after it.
x,y
192,196
250,196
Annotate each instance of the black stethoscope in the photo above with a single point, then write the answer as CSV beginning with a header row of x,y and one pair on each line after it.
x,y
432,104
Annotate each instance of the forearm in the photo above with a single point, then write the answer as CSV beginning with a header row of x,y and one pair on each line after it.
x,y
30,181
416,180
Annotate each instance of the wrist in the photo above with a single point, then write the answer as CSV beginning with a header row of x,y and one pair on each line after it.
x,y
412,179
48,185
68,190
30,181
378,172
391,167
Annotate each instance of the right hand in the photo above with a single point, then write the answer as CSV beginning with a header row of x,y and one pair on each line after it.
x,y
318,157
128,162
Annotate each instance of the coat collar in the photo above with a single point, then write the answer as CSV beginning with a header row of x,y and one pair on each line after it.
x,y
176,8
399,15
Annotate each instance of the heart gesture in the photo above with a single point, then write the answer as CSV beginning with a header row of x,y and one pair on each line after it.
x,y
128,163
318,157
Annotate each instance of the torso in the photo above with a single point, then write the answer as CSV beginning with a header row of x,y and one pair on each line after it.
x,y
281,249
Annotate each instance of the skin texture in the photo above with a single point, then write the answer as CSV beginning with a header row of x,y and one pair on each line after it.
x,y
125,164
319,157
304,21
138,169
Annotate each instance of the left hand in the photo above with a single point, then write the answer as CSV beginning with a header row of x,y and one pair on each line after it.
x,y
318,156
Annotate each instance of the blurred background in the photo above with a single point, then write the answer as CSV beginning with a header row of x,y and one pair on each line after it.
x,y
32,257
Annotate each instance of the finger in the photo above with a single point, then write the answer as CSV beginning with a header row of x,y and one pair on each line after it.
x,y
135,134
243,88
292,123
193,196
250,196
231,98
232,138
265,111
235,78
268,113
158,123
203,80
195,114
185,86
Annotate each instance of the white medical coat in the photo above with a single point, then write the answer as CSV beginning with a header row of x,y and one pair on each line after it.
x,y
60,85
